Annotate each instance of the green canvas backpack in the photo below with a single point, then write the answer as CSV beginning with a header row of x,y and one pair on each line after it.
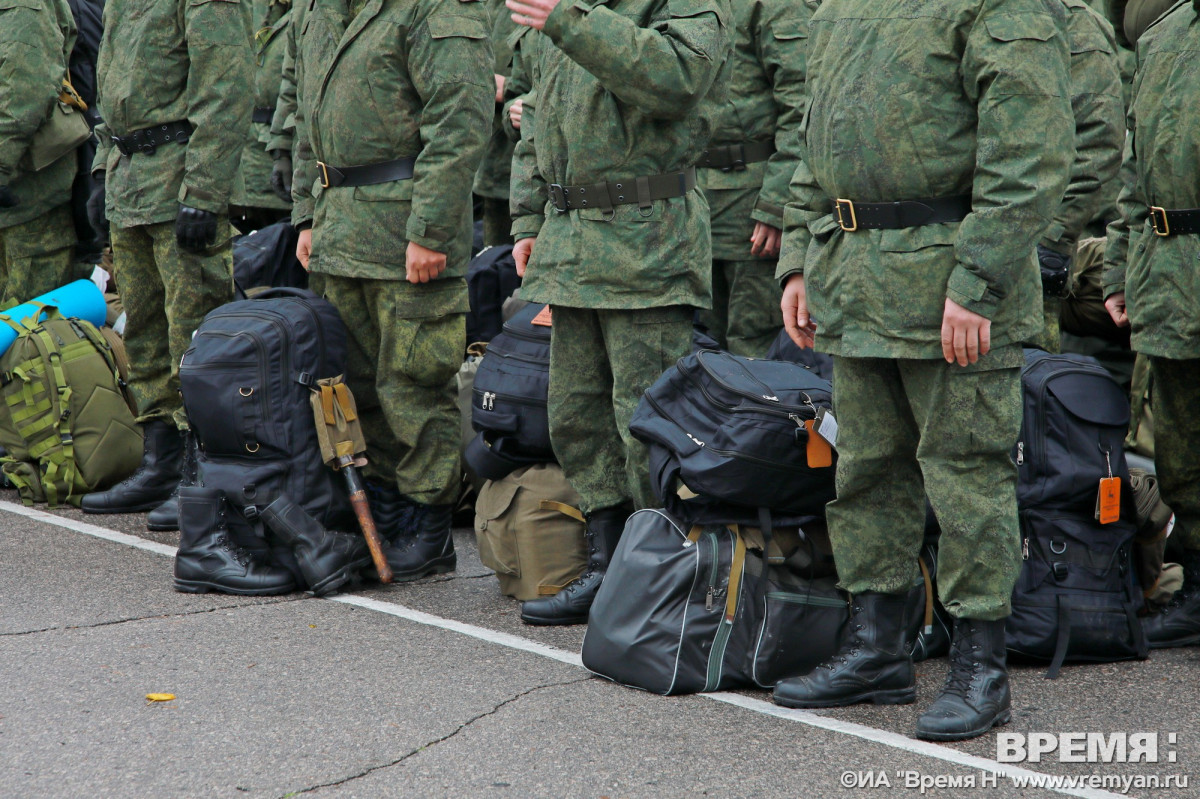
x,y
66,420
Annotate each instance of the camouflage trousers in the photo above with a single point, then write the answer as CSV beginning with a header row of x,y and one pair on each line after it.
x,y
37,256
1051,339
1175,397
497,224
166,293
911,428
601,361
401,371
745,317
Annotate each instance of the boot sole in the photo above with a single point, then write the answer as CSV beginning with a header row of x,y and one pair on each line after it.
x,y
428,570
900,696
162,528
339,578
143,508
999,721
546,621
202,587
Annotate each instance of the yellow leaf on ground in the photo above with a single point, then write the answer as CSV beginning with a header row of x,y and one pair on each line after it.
x,y
160,697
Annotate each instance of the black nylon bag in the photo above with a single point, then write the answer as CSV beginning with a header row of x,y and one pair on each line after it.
x,y
1076,597
246,381
491,279
508,399
730,430
784,349
267,257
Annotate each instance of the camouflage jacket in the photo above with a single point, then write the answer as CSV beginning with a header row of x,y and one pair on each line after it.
x,y
252,189
1160,275
410,78
35,40
765,103
1098,106
981,91
166,61
493,176
625,89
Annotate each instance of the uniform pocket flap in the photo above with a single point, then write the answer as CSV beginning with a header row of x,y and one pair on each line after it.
x,y
790,29
445,26
822,225
911,239
1012,27
392,191
495,498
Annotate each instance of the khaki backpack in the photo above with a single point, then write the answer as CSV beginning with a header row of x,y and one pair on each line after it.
x,y
67,420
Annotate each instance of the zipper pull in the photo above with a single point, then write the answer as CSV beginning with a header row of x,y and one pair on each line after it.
x,y
1020,453
708,599
1024,549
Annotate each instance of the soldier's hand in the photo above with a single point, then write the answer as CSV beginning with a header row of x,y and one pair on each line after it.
x,y
281,175
1115,304
304,247
7,198
965,334
195,230
765,240
422,264
532,13
800,327
514,113
521,252
500,81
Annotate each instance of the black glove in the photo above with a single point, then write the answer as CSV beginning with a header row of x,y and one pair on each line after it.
x,y
7,198
195,230
1056,268
281,175
95,206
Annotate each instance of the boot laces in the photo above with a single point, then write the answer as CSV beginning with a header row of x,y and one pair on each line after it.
x,y
239,554
964,666
851,646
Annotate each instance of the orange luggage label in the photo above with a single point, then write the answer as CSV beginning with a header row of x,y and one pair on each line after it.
x,y
1109,501
818,450
543,318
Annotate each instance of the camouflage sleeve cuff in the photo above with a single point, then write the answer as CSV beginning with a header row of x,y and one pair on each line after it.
x,y
768,214
302,212
525,227
1113,281
279,143
428,236
970,291
783,274
195,198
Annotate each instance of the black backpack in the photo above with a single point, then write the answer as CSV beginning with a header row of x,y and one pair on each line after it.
x,y
1076,597
731,431
267,257
246,380
508,399
491,279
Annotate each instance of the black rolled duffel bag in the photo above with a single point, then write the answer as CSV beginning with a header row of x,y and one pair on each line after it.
x,y
730,431
508,399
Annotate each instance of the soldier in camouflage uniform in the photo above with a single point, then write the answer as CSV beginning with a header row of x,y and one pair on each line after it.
x,y
172,80
37,232
911,258
491,181
1099,110
398,125
746,170
1152,281
255,203
615,233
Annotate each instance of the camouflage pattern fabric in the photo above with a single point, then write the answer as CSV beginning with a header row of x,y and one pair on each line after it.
x,y
166,293
164,62
908,428
496,222
35,40
998,128
1159,274
1175,398
252,185
428,93
601,362
622,93
491,181
744,318
283,122
37,256
401,370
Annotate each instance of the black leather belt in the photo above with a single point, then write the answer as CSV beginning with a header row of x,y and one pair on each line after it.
x,y
365,175
262,116
734,157
1180,221
642,191
148,140
854,216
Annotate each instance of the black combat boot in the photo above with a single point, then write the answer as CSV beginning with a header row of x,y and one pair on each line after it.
x,y
1178,624
572,603
209,560
151,485
428,550
976,696
872,664
392,512
327,559
165,517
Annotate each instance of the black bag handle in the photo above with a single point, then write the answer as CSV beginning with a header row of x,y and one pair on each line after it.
x,y
285,291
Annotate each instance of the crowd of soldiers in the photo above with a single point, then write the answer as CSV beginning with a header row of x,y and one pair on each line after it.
x,y
907,181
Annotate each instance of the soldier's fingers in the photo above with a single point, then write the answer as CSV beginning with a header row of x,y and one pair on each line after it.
x,y
947,342
960,345
985,337
972,336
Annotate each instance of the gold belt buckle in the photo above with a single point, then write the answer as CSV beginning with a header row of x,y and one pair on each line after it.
x,y
1157,211
841,217
324,174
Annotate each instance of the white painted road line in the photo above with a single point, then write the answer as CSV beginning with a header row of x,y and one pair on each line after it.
x,y
871,734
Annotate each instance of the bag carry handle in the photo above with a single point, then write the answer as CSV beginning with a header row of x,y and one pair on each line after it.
x,y
284,291
928,595
564,509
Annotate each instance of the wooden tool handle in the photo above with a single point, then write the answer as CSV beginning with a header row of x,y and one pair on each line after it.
x,y
363,511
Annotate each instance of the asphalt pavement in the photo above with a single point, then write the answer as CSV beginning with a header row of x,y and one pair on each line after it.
x,y
436,689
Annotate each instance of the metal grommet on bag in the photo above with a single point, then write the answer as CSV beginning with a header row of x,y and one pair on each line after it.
x,y
252,448
246,391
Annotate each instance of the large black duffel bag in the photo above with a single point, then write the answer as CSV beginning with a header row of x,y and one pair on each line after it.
x,y
491,279
734,431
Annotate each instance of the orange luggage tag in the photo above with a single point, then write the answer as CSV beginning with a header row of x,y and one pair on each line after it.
x,y
543,319
1108,501
817,449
